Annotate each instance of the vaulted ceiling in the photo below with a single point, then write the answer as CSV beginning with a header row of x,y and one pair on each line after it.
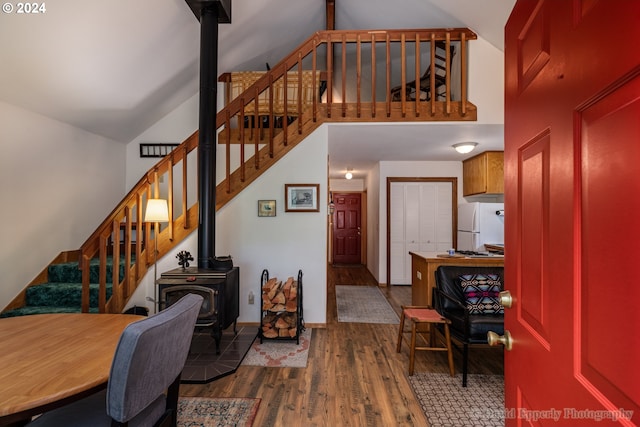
x,y
116,67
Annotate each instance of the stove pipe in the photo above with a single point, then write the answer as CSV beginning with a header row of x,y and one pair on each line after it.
x,y
207,136
210,13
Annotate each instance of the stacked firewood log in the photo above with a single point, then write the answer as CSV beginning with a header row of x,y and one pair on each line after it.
x,y
280,308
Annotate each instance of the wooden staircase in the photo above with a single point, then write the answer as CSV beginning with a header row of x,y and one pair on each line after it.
x,y
252,146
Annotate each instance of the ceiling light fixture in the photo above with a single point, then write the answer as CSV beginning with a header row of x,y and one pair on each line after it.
x,y
464,147
348,175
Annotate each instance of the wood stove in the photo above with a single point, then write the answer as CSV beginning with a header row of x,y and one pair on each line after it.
x,y
219,289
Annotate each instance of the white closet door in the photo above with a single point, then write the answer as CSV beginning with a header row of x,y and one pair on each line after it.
x,y
412,212
428,216
444,217
420,221
397,232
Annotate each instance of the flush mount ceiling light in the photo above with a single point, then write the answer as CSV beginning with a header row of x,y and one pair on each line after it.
x,y
464,147
348,175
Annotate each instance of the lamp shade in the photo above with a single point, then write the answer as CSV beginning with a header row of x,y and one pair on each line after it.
x,y
157,211
464,147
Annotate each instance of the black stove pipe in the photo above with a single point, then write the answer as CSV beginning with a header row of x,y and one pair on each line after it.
x,y
210,13
207,136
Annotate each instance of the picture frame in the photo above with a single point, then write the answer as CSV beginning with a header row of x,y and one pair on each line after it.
x,y
266,208
301,197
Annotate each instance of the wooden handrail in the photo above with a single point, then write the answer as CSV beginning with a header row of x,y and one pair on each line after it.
x,y
266,138
115,236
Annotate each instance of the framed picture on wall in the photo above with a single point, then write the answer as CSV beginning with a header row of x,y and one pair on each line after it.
x,y
266,208
301,197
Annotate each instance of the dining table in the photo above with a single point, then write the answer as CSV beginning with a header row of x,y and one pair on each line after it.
x,y
49,360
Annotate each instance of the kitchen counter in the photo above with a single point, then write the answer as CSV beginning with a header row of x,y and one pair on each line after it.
x,y
424,265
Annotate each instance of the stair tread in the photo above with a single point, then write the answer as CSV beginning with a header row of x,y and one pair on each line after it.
x,y
29,310
62,294
68,284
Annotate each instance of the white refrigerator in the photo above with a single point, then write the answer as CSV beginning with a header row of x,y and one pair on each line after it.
x,y
480,223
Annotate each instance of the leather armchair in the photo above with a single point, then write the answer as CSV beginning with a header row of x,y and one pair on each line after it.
x,y
450,301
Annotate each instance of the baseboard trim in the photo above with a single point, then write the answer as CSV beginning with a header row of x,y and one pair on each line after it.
x,y
308,325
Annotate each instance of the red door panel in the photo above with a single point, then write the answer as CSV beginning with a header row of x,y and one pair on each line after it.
x,y
572,197
346,228
534,288
609,204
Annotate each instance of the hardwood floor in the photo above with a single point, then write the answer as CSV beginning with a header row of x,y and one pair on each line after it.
x,y
354,376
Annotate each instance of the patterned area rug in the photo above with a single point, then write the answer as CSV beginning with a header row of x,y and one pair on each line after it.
x,y
213,412
446,403
363,304
280,353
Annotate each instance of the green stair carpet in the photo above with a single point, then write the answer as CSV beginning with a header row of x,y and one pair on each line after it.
x,y
63,291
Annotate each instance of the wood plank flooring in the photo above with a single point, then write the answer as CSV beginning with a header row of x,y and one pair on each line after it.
x,y
354,376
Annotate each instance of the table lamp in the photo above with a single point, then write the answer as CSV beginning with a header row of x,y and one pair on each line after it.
x,y
157,211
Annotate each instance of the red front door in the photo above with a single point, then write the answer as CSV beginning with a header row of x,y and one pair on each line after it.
x,y
572,203
346,228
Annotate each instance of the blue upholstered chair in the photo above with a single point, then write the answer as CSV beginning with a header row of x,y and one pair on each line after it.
x,y
145,374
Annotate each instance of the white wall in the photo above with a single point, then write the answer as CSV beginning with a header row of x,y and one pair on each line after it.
x,y
408,169
346,184
57,184
174,128
286,243
282,244
373,222
486,81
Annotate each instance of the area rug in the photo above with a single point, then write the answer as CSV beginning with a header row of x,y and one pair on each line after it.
x,y
280,353
363,304
446,403
213,412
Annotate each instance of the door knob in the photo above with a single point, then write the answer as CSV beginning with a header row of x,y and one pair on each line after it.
x,y
505,299
495,339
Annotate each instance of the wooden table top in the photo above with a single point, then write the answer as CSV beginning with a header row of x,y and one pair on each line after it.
x,y
443,258
46,358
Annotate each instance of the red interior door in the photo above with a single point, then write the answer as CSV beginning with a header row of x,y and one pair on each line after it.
x,y
346,228
572,197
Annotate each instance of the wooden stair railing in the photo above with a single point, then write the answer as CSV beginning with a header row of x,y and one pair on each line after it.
x,y
239,127
124,236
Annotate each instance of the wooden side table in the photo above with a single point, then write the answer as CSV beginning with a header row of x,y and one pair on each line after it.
x,y
423,320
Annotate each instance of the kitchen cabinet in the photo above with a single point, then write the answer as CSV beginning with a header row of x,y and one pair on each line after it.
x,y
423,269
483,174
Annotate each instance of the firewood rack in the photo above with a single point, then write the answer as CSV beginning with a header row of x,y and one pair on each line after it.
x,y
281,316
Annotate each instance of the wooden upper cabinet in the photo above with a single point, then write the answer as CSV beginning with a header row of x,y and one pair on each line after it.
x,y
483,174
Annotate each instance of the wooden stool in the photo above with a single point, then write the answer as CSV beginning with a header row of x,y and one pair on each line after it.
x,y
421,316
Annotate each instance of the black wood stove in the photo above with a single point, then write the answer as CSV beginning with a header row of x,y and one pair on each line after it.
x,y
219,289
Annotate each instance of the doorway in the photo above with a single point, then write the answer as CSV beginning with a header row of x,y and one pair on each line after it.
x,y
571,181
347,229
